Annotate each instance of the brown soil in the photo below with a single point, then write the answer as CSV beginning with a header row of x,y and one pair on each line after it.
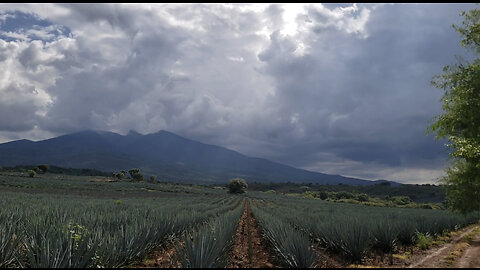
x,y
250,248
471,256
160,258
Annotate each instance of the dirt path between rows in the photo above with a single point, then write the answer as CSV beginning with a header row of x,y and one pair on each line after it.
x,y
250,248
437,257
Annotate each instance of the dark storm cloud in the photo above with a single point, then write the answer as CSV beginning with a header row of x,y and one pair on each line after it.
x,y
335,88
368,99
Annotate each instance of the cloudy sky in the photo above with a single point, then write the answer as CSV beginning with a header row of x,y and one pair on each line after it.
x,y
335,88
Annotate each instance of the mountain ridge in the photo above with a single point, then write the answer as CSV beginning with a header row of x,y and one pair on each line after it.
x,y
168,155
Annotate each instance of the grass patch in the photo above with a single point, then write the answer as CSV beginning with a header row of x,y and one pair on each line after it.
x,y
471,235
403,257
424,241
456,253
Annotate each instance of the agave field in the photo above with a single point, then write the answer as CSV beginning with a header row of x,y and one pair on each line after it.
x,y
199,224
65,231
298,228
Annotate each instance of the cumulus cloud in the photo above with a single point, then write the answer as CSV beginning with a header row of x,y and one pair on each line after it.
x,y
342,89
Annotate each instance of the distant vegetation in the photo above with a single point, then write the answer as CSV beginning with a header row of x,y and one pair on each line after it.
x,y
416,193
31,173
237,186
364,199
56,170
135,174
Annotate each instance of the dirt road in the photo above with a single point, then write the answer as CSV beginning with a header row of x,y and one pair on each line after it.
x,y
462,251
471,256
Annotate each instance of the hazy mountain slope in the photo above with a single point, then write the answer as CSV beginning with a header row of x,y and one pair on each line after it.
x,y
169,156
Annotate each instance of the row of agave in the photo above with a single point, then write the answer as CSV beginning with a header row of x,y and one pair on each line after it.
x,y
209,245
66,231
354,230
291,245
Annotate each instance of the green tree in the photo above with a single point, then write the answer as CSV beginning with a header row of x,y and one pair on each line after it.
x,y
119,175
31,173
153,177
237,185
460,121
135,174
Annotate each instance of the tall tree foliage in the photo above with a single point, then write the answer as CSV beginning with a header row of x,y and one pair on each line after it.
x,y
460,121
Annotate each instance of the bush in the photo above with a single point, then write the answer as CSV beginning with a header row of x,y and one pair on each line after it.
x,y
135,174
400,200
237,185
119,175
424,241
309,194
153,177
323,195
31,173
362,198
43,168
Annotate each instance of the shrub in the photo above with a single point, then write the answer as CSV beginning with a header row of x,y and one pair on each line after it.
x,y
400,200
153,177
362,198
424,241
323,195
135,174
237,185
119,175
309,194
31,173
43,168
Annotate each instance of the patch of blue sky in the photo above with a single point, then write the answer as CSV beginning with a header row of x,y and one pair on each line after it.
x,y
17,25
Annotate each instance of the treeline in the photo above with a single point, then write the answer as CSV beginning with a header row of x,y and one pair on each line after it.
x,y
417,193
364,199
43,168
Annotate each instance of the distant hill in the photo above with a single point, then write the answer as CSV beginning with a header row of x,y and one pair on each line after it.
x,y
169,156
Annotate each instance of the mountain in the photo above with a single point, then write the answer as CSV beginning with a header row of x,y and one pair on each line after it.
x,y
169,156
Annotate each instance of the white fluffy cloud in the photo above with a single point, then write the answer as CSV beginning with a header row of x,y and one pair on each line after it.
x,y
332,88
